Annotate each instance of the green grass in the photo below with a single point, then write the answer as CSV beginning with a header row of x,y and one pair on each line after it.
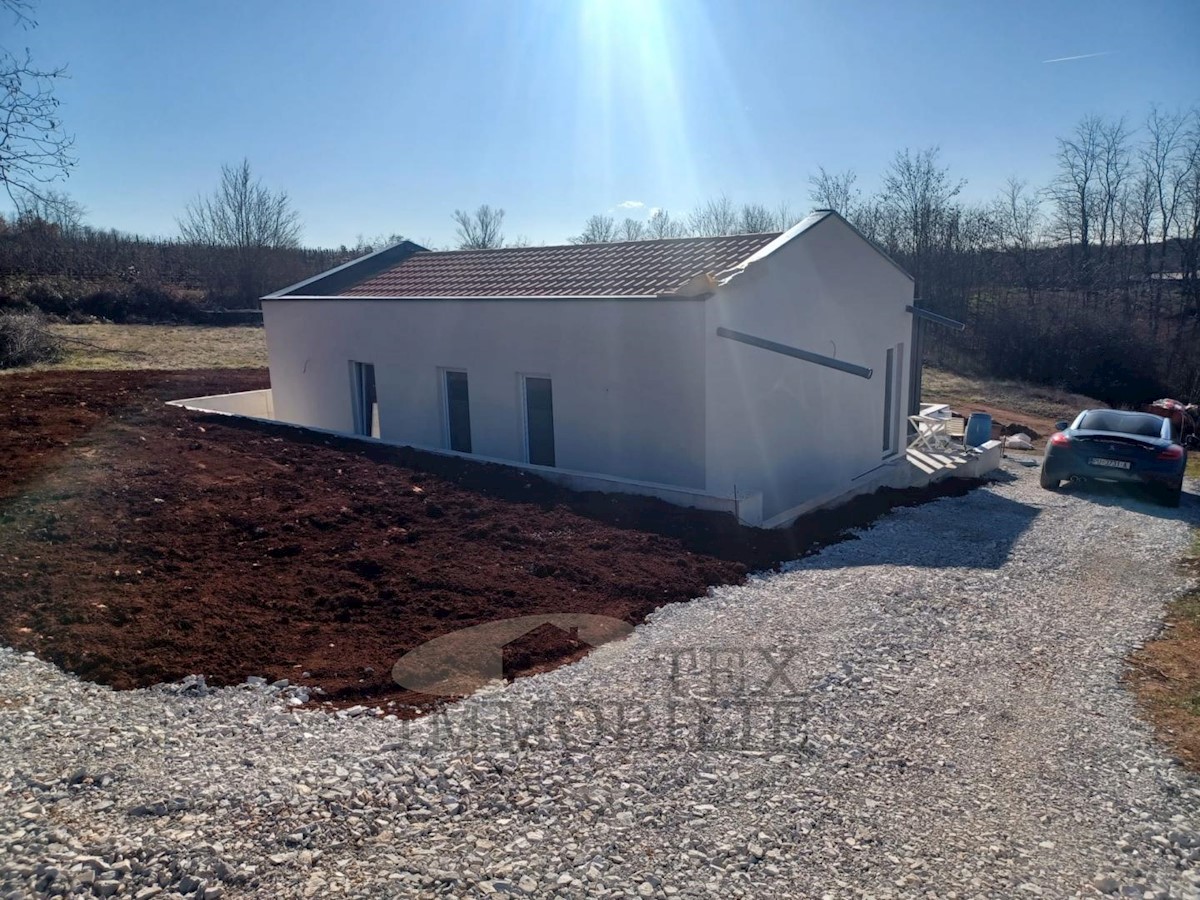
x,y
93,347
1193,469
1027,399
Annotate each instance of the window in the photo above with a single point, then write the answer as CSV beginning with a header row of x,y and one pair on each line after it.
x,y
888,366
892,377
458,411
539,421
364,402
1140,424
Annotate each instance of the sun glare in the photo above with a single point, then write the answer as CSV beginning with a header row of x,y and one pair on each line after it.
x,y
631,92
655,87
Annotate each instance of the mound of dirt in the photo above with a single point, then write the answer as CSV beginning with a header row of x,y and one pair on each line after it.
x,y
1019,428
140,543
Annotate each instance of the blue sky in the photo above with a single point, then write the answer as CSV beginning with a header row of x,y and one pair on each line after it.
x,y
386,116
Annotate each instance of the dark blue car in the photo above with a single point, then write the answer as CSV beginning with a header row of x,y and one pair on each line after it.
x,y
1114,445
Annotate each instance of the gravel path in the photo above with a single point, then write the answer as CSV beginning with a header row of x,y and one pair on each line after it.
x,y
931,711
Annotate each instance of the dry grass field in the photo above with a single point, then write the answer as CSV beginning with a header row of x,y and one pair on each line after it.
x,y
95,347
1036,401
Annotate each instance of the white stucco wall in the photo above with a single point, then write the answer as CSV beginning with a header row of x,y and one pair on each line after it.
x,y
628,375
791,429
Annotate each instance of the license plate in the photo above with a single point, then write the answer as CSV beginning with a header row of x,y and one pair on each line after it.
x,y
1108,463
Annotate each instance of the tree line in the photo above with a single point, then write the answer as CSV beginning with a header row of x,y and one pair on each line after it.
x,y
1090,281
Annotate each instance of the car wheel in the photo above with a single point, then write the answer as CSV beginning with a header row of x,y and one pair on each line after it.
x,y
1050,484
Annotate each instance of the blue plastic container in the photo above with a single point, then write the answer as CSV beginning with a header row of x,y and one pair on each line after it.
x,y
978,430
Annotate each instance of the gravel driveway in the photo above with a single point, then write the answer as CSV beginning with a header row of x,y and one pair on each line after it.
x,y
930,711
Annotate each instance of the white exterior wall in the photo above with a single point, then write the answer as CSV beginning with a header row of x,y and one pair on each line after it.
x,y
794,430
628,375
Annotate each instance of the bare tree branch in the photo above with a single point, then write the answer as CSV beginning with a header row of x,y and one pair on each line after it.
x,y
660,226
597,230
836,191
479,230
632,230
34,148
247,217
54,208
755,218
715,218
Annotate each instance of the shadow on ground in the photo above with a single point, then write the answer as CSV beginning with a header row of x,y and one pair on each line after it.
x,y
977,532
1134,498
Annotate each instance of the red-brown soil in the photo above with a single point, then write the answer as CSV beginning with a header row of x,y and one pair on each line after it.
x,y
140,543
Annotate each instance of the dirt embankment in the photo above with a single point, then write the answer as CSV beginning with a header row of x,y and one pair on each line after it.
x,y
140,543
1165,673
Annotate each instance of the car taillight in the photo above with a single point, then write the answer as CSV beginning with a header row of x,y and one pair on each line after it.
x,y
1060,439
1172,452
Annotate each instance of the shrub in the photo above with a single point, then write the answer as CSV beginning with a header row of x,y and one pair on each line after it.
x,y
133,302
49,298
141,304
25,340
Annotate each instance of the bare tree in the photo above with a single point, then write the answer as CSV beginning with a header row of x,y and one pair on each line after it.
x,y
1075,188
480,230
598,230
1164,167
1114,167
1143,204
836,191
755,218
1017,218
661,226
784,219
54,208
716,217
632,230
1187,227
919,192
247,217
34,148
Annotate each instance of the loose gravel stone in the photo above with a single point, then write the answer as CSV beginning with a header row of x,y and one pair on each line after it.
x,y
931,710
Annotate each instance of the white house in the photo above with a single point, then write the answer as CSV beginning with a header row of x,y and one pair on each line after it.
x,y
772,371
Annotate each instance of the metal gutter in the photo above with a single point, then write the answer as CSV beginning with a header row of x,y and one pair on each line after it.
x,y
794,352
493,298
929,316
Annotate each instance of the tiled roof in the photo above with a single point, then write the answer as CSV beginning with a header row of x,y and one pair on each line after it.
x,y
626,269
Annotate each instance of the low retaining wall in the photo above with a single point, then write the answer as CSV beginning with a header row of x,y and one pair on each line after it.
x,y
257,405
253,404
896,473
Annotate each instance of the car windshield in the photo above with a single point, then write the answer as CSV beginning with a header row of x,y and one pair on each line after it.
x,y
1141,424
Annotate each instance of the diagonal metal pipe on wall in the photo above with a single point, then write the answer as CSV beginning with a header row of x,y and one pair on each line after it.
x,y
796,353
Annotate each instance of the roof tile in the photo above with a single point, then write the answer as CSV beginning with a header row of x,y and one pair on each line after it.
x,y
626,269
